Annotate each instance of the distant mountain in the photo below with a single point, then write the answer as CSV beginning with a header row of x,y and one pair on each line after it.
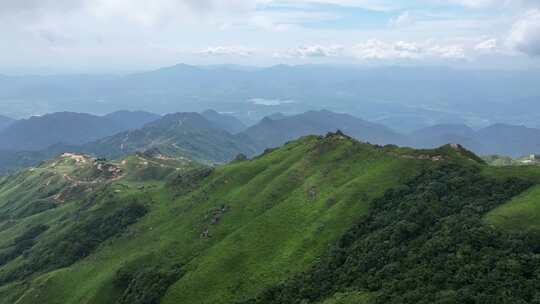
x,y
5,122
11,161
39,132
226,122
401,97
187,134
276,116
272,132
508,140
443,130
132,119
439,135
500,139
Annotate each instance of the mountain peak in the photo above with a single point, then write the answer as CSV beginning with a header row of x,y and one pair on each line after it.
x,y
224,121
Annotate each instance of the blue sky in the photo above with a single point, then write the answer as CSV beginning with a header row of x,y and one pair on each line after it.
x,y
109,35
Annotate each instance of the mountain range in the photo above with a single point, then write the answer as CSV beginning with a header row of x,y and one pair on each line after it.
x,y
214,137
319,220
273,131
500,139
40,132
186,134
226,122
404,98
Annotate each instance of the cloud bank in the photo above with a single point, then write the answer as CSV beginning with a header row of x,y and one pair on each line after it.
x,y
141,33
525,33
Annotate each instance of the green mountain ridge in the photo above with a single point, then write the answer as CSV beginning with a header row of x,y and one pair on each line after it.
x,y
212,137
188,134
150,228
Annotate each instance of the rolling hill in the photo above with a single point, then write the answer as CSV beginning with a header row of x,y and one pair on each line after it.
x,y
40,132
273,132
321,220
188,134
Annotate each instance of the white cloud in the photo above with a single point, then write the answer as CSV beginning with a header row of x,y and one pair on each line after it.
x,y
448,52
519,4
27,6
379,50
125,33
270,102
312,51
476,3
268,24
228,51
405,19
525,34
375,49
374,5
489,45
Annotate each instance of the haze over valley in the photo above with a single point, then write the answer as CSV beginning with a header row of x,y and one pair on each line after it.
x,y
404,98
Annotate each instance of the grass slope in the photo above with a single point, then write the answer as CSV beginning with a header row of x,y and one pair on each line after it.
x,y
522,214
248,225
75,199
186,233
425,242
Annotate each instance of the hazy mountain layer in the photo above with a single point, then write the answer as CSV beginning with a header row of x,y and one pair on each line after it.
x,y
405,98
272,132
500,139
226,122
37,133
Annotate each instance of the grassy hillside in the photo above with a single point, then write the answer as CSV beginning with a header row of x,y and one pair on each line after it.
x,y
152,229
60,212
522,214
425,242
248,225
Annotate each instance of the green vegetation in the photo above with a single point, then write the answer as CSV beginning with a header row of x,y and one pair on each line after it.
x,y
74,244
348,298
520,214
324,220
21,243
425,242
144,286
235,229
